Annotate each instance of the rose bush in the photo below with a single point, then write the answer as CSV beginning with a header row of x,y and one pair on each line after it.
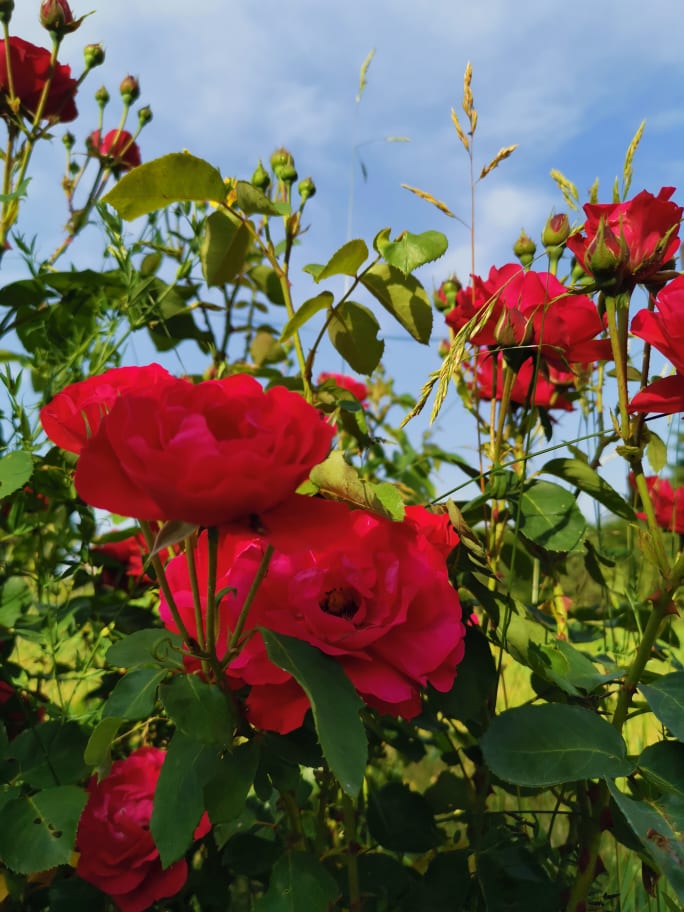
x,y
117,851
203,454
30,67
372,593
623,244
534,385
344,381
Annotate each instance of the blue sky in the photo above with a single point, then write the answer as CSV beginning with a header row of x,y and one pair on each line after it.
x,y
231,81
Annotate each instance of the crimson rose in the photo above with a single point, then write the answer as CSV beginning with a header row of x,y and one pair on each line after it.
x,y
664,330
30,71
75,414
117,851
117,147
623,244
668,504
532,310
204,454
372,593
355,387
546,389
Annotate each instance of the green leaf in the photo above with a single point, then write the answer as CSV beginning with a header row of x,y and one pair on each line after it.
x,y
225,242
567,667
38,832
226,792
578,473
199,709
170,179
98,750
659,826
15,470
403,296
663,764
134,695
550,744
179,796
665,696
353,331
656,451
50,754
345,261
549,516
306,311
150,647
336,478
299,883
412,250
252,201
334,702
401,819
15,598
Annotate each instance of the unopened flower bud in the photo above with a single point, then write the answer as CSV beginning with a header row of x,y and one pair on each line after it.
x,y
281,159
56,16
102,97
556,230
444,298
6,9
144,115
606,256
260,178
443,348
524,248
307,189
69,141
93,55
129,89
288,174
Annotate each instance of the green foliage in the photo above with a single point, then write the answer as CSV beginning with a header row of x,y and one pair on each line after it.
x,y
38,832
353,330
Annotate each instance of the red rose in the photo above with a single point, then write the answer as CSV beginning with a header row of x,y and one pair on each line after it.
x,y
75,414
355,387
118,148
664,330
533,310
623,244
121,560
30,72
206,454
668,504
545,390
117,852
373,594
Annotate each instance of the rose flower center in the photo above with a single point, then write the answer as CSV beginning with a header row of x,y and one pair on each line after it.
x,y
340,603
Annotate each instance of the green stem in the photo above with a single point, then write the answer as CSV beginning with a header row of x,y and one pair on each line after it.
x,y
194,586
349,816
617,311
165,588
211,617
234,641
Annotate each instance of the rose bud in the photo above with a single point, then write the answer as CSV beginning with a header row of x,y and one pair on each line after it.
x,y
102,96
260,178
6,9
307,189
129,89
556,230
56,16
281,159
93,55
524,248
144,115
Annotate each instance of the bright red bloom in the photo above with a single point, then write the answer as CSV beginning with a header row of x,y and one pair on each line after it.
x,y
664,330
30,72
372,593
355,387
532,310
56,16
205,453
121,560
118,148
668,504
628,242
117,852
546,390
74,415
